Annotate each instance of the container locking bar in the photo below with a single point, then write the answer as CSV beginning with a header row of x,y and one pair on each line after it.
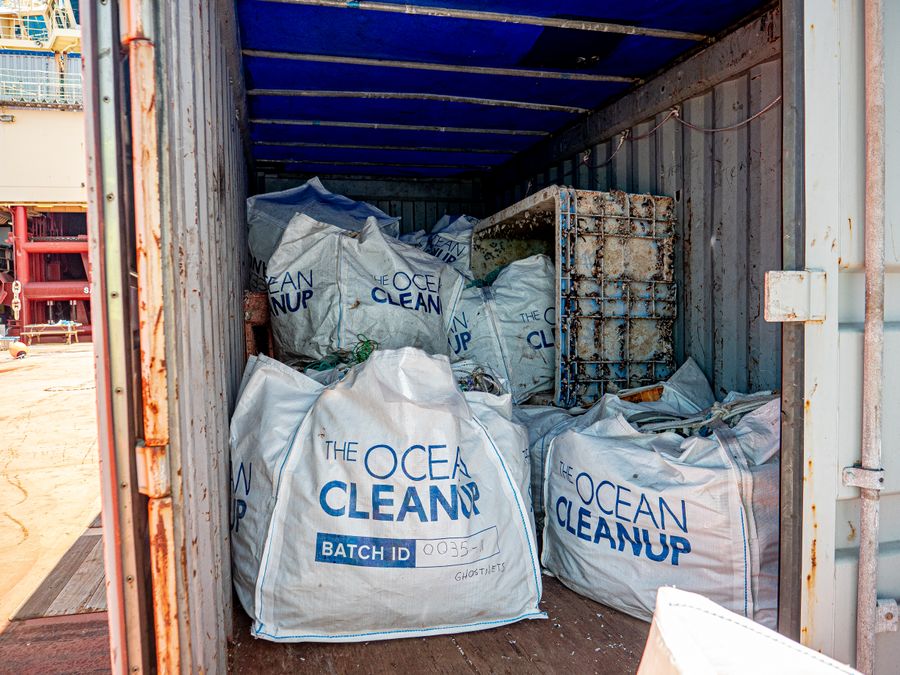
x,y
795,295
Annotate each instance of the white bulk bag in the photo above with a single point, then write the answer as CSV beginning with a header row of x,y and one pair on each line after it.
x,y
419,238
328,287
474,334
510,437
628,512
524,303
272,402
692,636
685,393
269,214
509,326
397,513
450,240
543,424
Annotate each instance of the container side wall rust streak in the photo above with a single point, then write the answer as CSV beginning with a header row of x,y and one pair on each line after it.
x,y
154,379
165,604
202,194
873,337
826,147
111,248
148,235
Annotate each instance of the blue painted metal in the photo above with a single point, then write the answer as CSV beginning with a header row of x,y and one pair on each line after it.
x,y
327,31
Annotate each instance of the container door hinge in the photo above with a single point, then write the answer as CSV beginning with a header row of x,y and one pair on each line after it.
x,y
857,476
886,618
795,295
153,470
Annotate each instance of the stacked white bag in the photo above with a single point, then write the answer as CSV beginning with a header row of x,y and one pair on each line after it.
x,y
329,288
450,241
685,393
268,216
386,505
510,326
628,512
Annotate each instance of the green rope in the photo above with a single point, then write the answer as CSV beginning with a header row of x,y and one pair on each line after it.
x,y
360,352
329,362
364,348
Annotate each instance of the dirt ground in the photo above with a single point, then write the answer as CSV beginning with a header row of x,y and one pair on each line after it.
x,y
49,472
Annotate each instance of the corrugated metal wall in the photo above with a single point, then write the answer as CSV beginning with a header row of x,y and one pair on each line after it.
x,y
727,188
422,215
204,237
419,204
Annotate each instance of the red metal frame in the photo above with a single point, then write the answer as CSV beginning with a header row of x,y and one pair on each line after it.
x,y
31,270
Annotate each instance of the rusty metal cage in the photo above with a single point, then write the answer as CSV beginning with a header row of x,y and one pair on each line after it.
x,y
616,293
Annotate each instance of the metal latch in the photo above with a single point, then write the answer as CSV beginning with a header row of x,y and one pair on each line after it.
x,y
857,476
153,470
795,295
886,617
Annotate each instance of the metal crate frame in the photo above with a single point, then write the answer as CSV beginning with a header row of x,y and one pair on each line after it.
x,y
573,385
583,375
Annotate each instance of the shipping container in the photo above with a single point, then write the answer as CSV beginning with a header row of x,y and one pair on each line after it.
x,y
772,126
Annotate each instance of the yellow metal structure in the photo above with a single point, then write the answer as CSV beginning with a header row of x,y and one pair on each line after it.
x,y
39,25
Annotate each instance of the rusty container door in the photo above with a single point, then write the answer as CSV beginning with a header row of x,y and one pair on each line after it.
x,y
167,184
116,344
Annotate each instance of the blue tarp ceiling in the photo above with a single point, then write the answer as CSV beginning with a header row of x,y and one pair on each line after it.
x,y
425,112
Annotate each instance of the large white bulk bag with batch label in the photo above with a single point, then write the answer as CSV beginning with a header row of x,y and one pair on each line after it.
x,y
329,289
510,326
398,511
268,216
628,512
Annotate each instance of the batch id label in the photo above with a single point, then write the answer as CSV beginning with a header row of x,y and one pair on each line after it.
x,y
340,549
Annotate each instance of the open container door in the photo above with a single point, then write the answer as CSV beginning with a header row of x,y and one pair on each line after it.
x,y
116,345
842,202
166,195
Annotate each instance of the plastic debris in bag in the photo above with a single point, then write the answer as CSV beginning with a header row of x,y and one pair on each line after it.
x,y
472,377
387,505
268,216
328,286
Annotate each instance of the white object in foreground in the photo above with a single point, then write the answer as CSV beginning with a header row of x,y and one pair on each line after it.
x,y
693,635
